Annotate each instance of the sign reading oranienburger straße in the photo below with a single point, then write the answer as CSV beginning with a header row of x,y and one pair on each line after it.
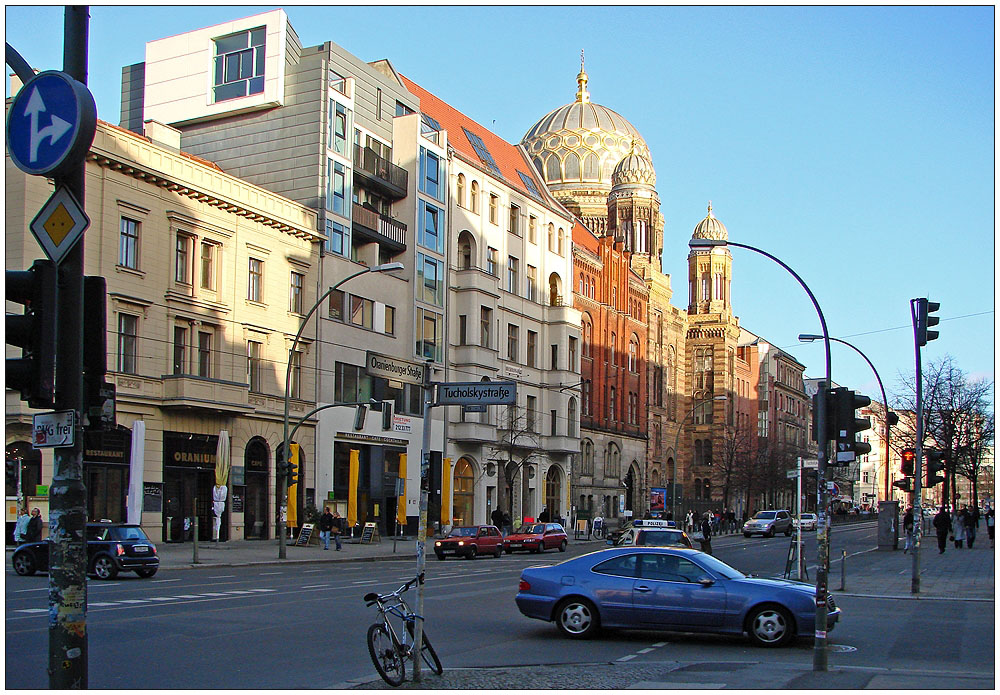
x,y
477,393
393,368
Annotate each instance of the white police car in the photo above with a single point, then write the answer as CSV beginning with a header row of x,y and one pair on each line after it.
x,y
654,532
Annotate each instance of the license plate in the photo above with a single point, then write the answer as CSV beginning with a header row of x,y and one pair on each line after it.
x,y
515,545
140,548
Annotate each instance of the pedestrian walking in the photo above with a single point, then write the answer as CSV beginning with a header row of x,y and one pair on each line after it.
x,y
544,517
34,532
908,530
958,529
942,525
497,518
706,534
989,524
731,520
21,527
970,526
689,522
325,527
337,529
507,524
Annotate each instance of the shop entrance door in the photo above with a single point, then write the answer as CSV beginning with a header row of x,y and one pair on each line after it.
x,y
255,506
182,489
106,488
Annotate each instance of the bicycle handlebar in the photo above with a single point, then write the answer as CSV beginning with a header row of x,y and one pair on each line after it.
x,y
371,599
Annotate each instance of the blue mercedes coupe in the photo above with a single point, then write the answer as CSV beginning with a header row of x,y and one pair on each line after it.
x,y
669,589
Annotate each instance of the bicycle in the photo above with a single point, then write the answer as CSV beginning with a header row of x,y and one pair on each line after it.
x,y
389,650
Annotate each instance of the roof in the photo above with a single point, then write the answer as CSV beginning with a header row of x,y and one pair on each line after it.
x,y
511,165
182,153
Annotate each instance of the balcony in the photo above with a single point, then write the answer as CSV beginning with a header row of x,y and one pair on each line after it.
x,y
472,432
183,391
478,279
562,444
374,226
379,173
474,356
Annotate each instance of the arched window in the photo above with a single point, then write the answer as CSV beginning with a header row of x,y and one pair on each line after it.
x,y
708,452
466,250
555,290
552,237
586,396
553,492
460,191
463,505
697,488
562,243
612,346
591,167
474,197
571,418
552,172
705,296
633,354
698,452
583,285
612,395
572,167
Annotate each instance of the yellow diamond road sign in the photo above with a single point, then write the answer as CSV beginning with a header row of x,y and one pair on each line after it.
x,y
59,224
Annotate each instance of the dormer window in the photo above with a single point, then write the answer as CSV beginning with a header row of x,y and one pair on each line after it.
x,y
239,64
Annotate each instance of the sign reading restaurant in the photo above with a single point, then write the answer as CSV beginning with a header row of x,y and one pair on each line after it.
x,y
393,368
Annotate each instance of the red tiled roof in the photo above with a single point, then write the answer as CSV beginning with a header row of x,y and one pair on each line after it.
x,y
584,237
508,157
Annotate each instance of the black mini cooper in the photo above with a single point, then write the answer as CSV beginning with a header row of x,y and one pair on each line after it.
x,y
111,548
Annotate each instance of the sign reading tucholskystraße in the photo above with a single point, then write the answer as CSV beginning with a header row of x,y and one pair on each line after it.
x,y
477,393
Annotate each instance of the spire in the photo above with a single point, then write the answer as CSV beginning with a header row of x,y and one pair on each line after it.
x,y
582,95
709,210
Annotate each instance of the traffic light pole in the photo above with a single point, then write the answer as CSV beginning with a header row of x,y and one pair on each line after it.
x,y
918,458
67,495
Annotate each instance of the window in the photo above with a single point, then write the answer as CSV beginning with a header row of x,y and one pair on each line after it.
x,y
207,265
555,356
494,209
336,234
339,116
572,355
351,384
515,216
614,358
182,255
295,374
428,334
511,274
337,305
492,262
378,103
485,321
460,191
339,82
255,286
430,280
254,365
571,418
474,199
561,249
429,128
205,354
128,245
295,293
553,422
633,355
239,64
512,332
611,404
128,329
532,229
484,154
532,280
529,184
463,328
530,418
431,174
586,396
180,349
532,347
362,311
431,221
390,320
336,191
552,237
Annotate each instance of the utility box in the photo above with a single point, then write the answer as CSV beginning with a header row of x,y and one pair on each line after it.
x,y
888,525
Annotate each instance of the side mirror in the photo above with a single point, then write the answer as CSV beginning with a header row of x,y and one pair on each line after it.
x,y
706,581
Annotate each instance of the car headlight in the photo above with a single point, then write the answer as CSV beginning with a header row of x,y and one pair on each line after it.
x,y
437,544
461,542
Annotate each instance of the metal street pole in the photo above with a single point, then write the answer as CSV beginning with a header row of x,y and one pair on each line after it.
x,y
822,441
677,442
283,480
918,460
425,464
68,654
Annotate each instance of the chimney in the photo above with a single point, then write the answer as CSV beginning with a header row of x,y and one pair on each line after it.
x,y
162,134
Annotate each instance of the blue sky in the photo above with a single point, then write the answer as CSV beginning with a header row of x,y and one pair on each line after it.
x,y
854,143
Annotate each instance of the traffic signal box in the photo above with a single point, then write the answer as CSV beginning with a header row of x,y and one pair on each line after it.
x,y
934,462
293,464
906,466
925,320
34,331
846,426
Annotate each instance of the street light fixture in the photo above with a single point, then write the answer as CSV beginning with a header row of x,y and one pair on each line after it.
x,y
677,442
383,268
822,427
890,418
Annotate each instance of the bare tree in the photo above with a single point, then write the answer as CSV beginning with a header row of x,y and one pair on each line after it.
x,y
734,458
516,449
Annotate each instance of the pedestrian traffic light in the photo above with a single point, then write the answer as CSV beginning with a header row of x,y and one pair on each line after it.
x,y
906,467
903,484
846,426
293,464
925,320
34,331
935,462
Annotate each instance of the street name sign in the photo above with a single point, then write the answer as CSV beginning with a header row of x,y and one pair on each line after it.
x,y
59,224
53,429
477,393
51,124
393,368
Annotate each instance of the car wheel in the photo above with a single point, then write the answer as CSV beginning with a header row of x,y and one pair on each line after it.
x,y
498,552
747,535
440,556
788,531
146,574
539,548
577,618
562,547
770,533
24,564
104,567
471,555
770,626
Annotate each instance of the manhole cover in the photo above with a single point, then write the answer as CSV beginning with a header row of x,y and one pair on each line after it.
x,y
842,648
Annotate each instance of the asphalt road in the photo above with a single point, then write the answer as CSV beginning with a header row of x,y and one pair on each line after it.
x,y
298,626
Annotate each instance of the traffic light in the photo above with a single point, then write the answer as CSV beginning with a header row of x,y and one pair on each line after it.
x,y
34,331
98,395
906,467
293,464
903,484
281,466
925,321
846,427
815,412
935,462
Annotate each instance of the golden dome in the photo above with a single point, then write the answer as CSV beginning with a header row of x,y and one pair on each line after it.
x,y
710,228
581,142
634,169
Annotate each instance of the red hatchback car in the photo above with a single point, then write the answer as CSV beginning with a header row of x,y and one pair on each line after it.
x,y
536,538
469,541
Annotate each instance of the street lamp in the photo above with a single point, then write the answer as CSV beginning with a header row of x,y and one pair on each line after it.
x,y
890,418
383,268
677,442
822,427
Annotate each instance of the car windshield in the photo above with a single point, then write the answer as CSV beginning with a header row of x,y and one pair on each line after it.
x,y
464,531
660,538
531,528
808,516
123,533
764,515
719,567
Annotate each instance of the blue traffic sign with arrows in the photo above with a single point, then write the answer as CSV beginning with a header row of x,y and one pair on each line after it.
x,y
51,124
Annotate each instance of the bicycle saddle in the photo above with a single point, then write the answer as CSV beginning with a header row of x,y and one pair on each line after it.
x,y
371,597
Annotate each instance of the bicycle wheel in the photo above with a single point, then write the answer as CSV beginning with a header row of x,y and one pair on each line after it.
x,y
430,656
386,655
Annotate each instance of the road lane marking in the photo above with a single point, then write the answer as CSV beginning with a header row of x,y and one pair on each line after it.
x,y
162,598
315,586
627,658
661,644
94,604
160,581
32,610
263,590
223,576
133,600
188,596
41,588
266,574
647,650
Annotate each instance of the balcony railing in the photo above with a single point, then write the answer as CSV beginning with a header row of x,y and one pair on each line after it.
x,y
377,227
380,172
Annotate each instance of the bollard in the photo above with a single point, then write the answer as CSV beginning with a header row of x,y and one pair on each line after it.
x,y
843,570
194,561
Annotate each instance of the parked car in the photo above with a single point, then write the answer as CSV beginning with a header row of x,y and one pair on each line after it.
x,y
111,548
808,521
469,541
768,523
669,589
537,538
653,532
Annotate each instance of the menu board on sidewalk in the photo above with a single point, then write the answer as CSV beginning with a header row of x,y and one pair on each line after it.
x,y
304,534
370,533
